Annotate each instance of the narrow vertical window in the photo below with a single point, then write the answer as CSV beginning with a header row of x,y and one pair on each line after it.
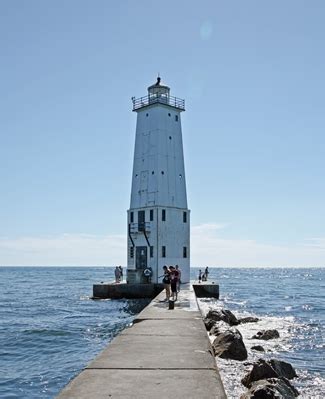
x,y
184,252
131,217
141,220
163,251
184,217
163,215
151,215
176,118
151,251
131,252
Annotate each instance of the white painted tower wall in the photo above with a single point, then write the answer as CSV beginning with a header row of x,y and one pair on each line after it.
x,y
158,189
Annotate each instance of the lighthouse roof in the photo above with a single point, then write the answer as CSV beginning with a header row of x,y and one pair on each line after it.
x,y
158,85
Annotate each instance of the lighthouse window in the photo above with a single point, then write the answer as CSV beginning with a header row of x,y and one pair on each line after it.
x,y
147,115
185,217
131,252
131,217
170,137
176,118
151,215
151,251
168,114
152,172
162,172
163,215
184,252
163,251
141,220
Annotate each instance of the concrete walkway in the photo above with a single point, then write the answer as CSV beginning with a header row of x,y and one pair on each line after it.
x,y
165,354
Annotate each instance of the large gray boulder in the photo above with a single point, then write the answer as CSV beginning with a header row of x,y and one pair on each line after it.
x,y
264,369
258,348
229,345
261,370
209,323
271,388
248,319
266,334
283,369
219,328
215,330
223,315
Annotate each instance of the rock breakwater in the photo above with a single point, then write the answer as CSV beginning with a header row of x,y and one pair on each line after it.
x,y
265,378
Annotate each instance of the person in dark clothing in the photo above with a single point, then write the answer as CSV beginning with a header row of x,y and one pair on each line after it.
x,y
206,272
174,275
121,273
179,278
117,273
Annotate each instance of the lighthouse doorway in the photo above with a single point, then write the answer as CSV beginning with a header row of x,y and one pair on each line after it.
x,y
141,258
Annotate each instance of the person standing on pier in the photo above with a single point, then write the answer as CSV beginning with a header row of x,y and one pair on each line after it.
x,y
166,281
206,272
179,278
173,282
117,273
200,275
121,273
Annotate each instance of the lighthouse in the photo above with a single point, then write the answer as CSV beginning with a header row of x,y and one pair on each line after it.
x,y
158,221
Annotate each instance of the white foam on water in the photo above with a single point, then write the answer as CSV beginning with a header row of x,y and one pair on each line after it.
x,y
232,371
310,386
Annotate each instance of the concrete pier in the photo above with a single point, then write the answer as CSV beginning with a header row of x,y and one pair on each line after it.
x,y
166,353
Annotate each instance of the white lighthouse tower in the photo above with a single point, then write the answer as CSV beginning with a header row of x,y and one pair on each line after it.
x,y
158,218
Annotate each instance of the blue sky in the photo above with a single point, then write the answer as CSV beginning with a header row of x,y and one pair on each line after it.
x,y
252,75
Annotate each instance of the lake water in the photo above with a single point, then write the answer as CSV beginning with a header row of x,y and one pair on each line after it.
x,y
50,328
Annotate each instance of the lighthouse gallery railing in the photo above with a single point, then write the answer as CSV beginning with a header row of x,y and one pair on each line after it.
x,y
158,98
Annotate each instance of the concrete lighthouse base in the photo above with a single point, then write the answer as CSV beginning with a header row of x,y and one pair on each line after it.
x,y
124,290
206,290
149,290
